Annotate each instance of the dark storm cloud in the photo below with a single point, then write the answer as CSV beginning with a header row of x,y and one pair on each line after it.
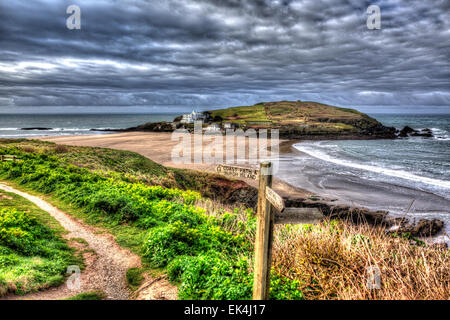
x,y
224,52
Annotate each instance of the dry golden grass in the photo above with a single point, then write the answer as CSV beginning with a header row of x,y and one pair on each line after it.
x,y
332,260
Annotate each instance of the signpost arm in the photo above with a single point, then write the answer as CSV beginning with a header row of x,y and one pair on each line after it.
x,y
264,234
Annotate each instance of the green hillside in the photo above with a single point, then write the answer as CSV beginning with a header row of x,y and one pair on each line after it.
x,y
300,118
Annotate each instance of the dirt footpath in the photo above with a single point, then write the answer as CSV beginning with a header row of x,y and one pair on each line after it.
x,y
106,262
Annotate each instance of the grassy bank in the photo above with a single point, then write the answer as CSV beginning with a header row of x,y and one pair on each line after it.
x,y
132,167
33,255
206,248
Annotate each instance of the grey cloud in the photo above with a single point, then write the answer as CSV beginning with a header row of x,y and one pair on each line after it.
x,y
213,53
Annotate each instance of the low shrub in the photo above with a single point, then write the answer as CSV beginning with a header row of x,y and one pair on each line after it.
x,y
32,256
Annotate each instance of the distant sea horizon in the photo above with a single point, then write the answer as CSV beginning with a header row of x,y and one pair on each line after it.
x,y
11,125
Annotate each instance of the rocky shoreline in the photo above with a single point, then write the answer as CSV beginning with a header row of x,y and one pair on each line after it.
x,y
410,132
287,132
377,131
247,195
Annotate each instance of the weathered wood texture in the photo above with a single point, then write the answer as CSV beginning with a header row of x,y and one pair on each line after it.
x,y
264,234
275,199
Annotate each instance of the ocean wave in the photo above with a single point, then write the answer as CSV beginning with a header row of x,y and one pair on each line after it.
x,y
440,134
312,151
65,129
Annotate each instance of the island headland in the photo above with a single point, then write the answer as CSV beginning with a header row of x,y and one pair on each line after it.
x,y
293,119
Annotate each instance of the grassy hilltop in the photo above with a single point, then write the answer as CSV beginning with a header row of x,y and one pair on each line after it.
x,y
303,118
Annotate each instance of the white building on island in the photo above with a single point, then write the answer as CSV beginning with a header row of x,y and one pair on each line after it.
x,y
192,117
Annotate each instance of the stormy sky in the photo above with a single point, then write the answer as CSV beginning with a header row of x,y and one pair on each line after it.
x,y
216,53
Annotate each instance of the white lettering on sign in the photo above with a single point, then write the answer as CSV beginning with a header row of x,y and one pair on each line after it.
x,y
238,172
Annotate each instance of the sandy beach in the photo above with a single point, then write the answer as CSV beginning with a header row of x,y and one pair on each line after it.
x,y
158,147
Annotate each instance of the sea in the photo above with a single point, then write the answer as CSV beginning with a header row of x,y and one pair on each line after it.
x,y
12,125
409,176
403,176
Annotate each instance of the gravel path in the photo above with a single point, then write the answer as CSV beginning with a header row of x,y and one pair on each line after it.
x,y
105,269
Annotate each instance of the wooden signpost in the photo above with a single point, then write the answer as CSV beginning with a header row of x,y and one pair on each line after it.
x,y
271,209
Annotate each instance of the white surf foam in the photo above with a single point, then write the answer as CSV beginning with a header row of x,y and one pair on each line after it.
x,y
440,134
312,151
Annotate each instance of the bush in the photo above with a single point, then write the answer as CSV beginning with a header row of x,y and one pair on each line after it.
x,y
32,256
212,276
165,243
134,277
20,232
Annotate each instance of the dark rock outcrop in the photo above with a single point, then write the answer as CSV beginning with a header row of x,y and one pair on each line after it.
x,y
406,131
354,214
410,132
153,127
37,128
426,133
425,228
150,127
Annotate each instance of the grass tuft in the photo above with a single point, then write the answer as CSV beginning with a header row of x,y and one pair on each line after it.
x,y
92,295
135,278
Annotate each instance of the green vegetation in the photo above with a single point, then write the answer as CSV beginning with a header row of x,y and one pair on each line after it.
x,y
135,277
128,166
241,114
302,118
93,295
162,224
33,255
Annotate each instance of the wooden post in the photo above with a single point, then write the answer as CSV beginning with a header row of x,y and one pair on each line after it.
x,y
264,235
1,157
271,210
